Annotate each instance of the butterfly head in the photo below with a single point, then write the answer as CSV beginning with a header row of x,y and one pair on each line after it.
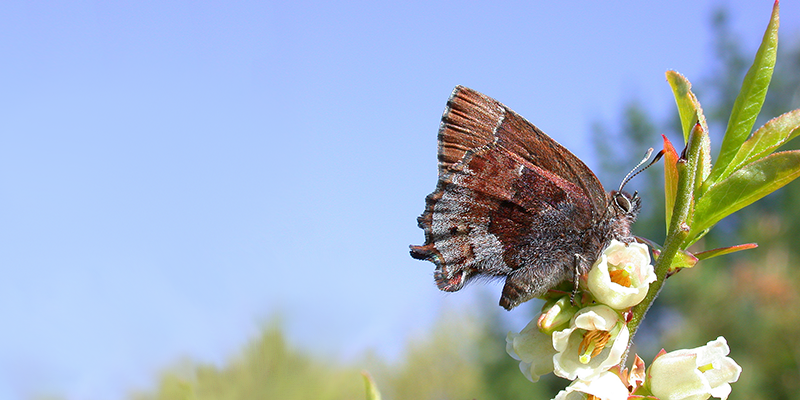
x,y
626,204
623,204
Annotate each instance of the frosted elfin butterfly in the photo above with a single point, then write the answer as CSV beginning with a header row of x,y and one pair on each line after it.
x,y
511,202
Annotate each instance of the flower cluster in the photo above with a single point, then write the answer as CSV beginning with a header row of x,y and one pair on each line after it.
x,y
586,344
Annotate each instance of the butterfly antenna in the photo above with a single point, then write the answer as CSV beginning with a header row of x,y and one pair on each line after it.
x,y
634,172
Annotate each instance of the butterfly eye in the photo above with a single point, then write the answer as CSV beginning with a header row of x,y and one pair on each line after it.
x,y
622,202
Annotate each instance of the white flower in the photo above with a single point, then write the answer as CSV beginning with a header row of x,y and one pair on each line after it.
x,y
533,349
621,276
606,386
694,374
594,342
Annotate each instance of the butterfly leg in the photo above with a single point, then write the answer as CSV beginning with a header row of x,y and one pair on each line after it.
x,y
576,277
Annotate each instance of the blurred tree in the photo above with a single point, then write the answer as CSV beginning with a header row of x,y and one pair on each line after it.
x,y
268,368
444,364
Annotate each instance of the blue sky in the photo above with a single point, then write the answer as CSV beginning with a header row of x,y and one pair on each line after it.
x,y
174,174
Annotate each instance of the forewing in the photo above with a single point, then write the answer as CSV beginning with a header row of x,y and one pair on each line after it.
x,y
473,120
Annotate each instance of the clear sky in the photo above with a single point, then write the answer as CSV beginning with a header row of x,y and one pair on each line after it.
x,y
173,174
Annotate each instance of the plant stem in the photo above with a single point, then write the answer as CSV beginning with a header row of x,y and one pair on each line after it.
x,y
678,230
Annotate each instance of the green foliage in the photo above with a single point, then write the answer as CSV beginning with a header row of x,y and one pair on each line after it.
x,y
689,108
744,171
765,140
742,188
750,99
704,255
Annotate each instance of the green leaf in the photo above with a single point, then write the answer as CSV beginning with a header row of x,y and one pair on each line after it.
x,y
372,389
743,187
688,107
683,259
767,139
705,255
749,101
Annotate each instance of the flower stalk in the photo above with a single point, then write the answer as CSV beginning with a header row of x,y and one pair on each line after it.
x,y
679,225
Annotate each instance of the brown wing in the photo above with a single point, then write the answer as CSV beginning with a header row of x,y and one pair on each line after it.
x,y
496,214
510,201
472,120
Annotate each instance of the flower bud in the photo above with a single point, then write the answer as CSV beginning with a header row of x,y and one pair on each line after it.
x,y
556,315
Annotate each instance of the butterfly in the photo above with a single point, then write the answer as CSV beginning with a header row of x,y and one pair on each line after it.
x,y
512,203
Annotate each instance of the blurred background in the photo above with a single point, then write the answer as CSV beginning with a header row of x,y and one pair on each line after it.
x,y
217,199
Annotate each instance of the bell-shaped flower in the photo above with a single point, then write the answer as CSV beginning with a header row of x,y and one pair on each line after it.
x,y
594,342
533,346
606,386
621,275
694,374
533,349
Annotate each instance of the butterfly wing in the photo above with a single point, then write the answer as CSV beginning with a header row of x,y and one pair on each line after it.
x,y
501,208
472,120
